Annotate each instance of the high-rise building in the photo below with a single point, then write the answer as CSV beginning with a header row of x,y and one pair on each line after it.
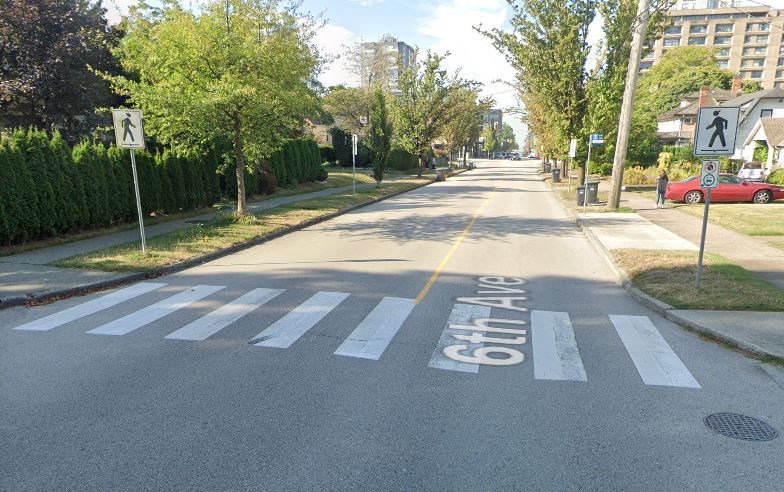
x,y
747,37
379,62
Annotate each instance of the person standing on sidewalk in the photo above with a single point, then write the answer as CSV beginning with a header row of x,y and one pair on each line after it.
x,y
661,187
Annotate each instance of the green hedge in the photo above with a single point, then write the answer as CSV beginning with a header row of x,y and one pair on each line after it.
x,y
50,189
299,161
401,160
776,177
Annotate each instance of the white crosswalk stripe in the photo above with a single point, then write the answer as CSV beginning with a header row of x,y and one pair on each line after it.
x,y
655,360
212,323
555,353
90,307
461,314
287,330
147,315
371,338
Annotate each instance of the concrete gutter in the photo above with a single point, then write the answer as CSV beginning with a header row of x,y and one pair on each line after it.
x,y
32,299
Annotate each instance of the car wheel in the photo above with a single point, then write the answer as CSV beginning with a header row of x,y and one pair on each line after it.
x,y
762,196
693,197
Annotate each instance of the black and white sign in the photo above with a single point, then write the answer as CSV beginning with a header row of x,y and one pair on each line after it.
x,y
128,131
716,130
709,178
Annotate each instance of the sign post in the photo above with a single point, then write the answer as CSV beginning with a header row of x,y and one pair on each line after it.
x,y
715,134
572,154
129,134
354,139
594,139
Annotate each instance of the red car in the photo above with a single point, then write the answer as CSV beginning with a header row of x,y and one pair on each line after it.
x,y
731,189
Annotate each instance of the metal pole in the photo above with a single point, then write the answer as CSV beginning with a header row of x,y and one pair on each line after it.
x,y
353,164
138,201
702,239
622,142
587,167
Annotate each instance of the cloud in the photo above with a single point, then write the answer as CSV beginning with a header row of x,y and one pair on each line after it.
x,y
367,3
332,41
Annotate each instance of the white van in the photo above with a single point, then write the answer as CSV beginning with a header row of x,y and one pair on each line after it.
x,y
751,171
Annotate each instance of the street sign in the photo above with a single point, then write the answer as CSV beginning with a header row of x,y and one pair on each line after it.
x,y
573,148
716,130
128,130
597,139
709,178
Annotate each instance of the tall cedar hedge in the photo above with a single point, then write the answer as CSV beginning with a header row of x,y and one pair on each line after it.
x,y
50,189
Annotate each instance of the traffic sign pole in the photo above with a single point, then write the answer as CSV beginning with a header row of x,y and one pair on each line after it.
x,y
353,164
138,201
702,238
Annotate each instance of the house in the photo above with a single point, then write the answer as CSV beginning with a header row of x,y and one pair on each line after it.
x,y
770,133
320,131
676,126
761,104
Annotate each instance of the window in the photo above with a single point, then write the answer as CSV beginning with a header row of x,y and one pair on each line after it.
x,y
758,39
722,40
673,30
723,52
723,63
696,41
645,65
766,113
724,27
688,120
757,26
672,42
754,74
752,62
780,74
725,179
778,85
780,62
698,29
756,50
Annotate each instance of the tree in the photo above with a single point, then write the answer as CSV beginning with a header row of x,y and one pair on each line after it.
x,y
548,48
506,136
238,70
423,108
380,135
490,143
350,107
464,128
46,47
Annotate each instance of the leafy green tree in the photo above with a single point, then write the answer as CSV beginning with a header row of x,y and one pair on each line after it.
x,y
506,136
46,48
548,48
238,70
350,107
491,143
423,108
380,135
464,128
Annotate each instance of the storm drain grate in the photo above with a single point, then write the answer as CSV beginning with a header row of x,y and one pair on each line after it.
x,y
739,426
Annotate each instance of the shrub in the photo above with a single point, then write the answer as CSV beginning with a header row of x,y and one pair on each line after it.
x,y
401,160
636,176
776,177
327,153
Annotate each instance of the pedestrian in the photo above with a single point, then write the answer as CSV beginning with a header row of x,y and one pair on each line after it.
x,y
661,187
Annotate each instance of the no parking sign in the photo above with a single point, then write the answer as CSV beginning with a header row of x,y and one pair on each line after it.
x,y
709,178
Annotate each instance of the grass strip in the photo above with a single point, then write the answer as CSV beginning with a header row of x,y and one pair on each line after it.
x,y
747,218
670,277
227,231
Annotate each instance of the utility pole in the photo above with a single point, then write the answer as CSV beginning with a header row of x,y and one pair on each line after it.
x,y
622,143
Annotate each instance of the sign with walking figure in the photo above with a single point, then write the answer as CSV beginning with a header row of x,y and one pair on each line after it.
x,y
128,130
716,130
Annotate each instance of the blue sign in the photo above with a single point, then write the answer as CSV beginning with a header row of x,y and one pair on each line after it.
x,y
597,139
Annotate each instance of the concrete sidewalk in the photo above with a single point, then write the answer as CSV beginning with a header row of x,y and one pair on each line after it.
x,y
667,229
29,274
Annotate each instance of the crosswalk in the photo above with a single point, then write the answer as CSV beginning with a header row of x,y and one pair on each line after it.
x,y
469,340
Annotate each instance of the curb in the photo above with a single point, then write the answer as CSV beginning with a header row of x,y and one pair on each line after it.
x,y
656,305
9,302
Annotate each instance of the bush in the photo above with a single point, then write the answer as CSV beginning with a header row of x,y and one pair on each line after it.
x,y
776,177
636,176
401,160
602,169
327,153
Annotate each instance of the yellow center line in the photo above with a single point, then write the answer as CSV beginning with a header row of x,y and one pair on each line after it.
x,y
434,277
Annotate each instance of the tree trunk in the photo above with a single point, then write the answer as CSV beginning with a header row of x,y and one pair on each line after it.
x,y
421,167
465,151
239,157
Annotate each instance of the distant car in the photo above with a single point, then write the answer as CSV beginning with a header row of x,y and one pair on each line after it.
x,y
731,189
751,171
516,157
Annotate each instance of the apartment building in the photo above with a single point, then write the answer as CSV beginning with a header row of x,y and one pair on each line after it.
x,y
379,61
747,37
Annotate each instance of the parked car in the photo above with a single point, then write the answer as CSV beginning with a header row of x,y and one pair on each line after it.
x,y
752,171
731,189
515,157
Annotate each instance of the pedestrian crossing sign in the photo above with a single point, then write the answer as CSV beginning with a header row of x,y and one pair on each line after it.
x,y
128,130
716,130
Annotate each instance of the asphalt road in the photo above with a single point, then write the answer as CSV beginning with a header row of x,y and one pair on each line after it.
x,y
326,361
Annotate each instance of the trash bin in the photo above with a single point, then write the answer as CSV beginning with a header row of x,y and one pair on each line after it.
x,y
580,195
556,175
593,190
547,167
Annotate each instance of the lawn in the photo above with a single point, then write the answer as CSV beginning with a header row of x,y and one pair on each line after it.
x,y
746,218
670,277
226,231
